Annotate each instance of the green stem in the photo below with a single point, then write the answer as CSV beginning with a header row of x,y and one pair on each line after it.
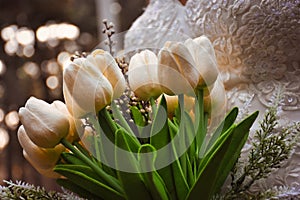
x,y
97,128
153,106
109,179
204,144
201,130
110,121
118,115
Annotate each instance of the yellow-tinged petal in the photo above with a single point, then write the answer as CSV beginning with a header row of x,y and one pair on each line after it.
x,y
44,158
48,172
172,104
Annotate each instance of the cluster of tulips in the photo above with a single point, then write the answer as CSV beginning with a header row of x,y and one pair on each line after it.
x,y
50,134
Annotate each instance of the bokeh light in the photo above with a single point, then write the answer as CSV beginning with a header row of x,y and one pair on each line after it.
x,y
8,32
4,138
115,8
28,51
52,82
11,47
19,41
12,119
53,32
31,69
64,59
24,36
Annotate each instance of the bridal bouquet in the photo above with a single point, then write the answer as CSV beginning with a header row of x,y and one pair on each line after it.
x,y
150,129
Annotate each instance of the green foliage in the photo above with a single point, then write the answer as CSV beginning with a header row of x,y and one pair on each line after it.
x,y
197,163
270,148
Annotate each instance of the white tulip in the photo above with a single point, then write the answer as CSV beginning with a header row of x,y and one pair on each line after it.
x,y
204,57
41,158
143,75
91,83
44,123
194,61
176,69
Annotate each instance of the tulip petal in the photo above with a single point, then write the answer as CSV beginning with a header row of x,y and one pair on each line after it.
x,y
177,69
88,87
44,158
44,126
110,69
143,75
46,172
204,56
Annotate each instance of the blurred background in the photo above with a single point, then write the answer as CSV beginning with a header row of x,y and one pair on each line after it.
x,y
34,36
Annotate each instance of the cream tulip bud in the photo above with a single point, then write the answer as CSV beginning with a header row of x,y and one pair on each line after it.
x,y
177,71
204,57
91,83
172,104
143,75
41,158
194,60
44,123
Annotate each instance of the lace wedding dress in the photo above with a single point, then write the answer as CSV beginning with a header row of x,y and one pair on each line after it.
x,y
257,44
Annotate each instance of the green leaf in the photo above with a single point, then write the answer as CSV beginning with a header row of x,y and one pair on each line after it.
x,y
224,125
85,178
190,174
71,158
159,130
239,138
190,137
160,137
108,126
153,180
217,163
137,116
131,180
182,187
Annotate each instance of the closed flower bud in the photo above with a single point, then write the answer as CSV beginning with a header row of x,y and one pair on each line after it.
x,y
204,57
41,158
177,70
194,60
143,75
44,123
91,83
172,104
